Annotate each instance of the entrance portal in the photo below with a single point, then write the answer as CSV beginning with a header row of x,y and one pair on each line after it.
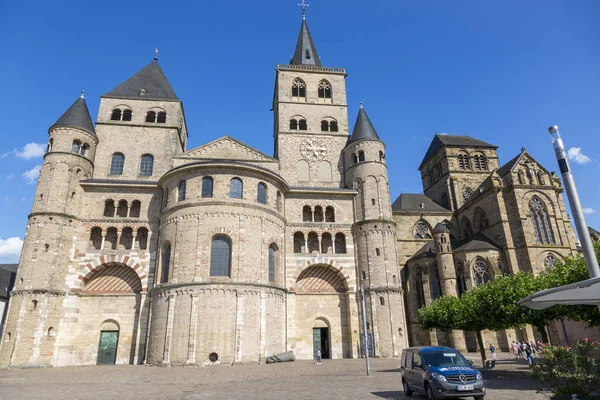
x,y
107,349
321,340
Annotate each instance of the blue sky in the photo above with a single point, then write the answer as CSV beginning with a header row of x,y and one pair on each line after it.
x,y
499,71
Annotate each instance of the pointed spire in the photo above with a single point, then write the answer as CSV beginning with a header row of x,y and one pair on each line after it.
x,y
306,52
148,83
363,128
77,116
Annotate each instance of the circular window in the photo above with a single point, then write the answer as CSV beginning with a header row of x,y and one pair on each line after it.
x,y
213,357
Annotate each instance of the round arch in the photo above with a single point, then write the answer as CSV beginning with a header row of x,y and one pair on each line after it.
x,y
321,278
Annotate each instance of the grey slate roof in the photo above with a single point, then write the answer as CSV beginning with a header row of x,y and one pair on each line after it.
x,y
477,242
306,52
441,228
412,202
593,232
424,252
363,128
8,273
506,168
152,79
440,141
77,116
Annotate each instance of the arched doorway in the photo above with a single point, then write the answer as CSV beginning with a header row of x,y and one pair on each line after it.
x,y
322,313
108,344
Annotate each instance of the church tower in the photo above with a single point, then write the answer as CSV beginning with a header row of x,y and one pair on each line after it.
x,y
374,234
310,117
37,300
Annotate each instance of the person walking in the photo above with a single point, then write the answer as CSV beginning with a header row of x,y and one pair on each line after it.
x,y
529,354
493,351
515,349
318,356
519,349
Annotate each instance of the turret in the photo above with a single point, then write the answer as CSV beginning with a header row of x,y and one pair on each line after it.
x,y
375,235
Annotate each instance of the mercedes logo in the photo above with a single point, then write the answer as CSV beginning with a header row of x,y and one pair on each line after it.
x,y
462,378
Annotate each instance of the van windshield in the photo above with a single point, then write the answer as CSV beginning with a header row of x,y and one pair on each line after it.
x,y
444,359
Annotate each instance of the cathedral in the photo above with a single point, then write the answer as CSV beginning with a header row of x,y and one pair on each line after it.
x,y
140,251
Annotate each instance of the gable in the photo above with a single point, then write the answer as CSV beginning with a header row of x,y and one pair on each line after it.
x,y
226,148
523,161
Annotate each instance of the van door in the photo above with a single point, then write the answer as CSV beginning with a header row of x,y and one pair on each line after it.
x,y
416,376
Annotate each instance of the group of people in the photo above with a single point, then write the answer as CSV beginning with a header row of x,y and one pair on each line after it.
x,y
525,350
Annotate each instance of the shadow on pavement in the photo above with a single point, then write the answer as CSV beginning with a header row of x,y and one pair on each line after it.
x,y
393,394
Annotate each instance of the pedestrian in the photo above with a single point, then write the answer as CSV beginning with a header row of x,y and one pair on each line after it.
x,y
532,346
519,349
493,351
515,349
318,356
529,354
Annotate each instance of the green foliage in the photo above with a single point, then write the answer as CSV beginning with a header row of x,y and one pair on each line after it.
x,y
569,371
495,305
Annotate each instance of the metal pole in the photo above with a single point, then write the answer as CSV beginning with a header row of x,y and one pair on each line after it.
x,y
365,336
578,218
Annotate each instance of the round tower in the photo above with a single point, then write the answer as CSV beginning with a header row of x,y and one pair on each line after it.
x,y
375,238
40,287
447,275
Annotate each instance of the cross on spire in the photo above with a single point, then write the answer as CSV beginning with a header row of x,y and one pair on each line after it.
x,y
304,4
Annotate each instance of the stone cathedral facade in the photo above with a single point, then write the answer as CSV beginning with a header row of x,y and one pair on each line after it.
x,y
138,250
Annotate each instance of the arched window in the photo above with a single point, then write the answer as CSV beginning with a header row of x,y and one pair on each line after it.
x,y
50,143
109,208
480,162
461,281
324,90
142,238
115,115
361,156
165,263
329,125
354,158
466,229
542,228
333,126
481,273
329,214
293,124
279,203
122,209
299,242
110,241
325,126
207,186
117,163
298,89
236,188
161,117
126,115
422,231
181,189
96,238
151,116
318,214
549,261
136,207
381,156
302,125
307,214
146,165
419,288
480,219
76,146
261,193
434,282
220,256
381,301
326,243
273,258
377,251
126,240
313,242
340,243
463,161
84,149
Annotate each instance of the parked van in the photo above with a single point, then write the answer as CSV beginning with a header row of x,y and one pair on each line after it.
x,y
440,373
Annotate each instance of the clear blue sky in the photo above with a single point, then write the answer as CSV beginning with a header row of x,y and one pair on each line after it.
x,y
500,71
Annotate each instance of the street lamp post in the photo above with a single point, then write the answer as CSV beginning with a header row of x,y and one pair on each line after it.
x,y
578,218
365,336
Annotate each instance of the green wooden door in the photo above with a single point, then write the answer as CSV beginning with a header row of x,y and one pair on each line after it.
x,y
316,341
107,349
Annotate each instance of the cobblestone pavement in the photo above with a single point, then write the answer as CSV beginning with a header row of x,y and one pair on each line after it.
x,y
335,379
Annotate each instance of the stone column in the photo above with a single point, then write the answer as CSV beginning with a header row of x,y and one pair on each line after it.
x,y
103,240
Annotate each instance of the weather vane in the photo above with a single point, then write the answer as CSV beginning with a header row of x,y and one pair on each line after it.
x,y
156,53
304,4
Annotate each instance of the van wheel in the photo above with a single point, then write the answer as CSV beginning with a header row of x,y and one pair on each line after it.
x,y
429,390
407,390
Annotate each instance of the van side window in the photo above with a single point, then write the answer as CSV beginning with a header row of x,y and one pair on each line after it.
x,y
405,359
417,360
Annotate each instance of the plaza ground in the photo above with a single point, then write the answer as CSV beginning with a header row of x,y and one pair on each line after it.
x,y
334,379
